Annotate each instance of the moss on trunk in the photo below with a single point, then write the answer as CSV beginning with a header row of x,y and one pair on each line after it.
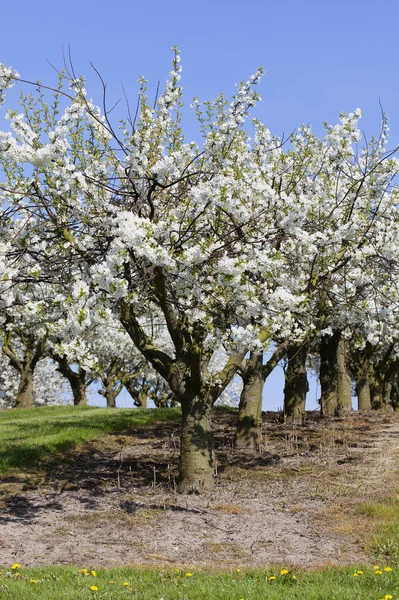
x,y
78,386
296,383
344,387
249,420
25,389
363,393
328,373
196,471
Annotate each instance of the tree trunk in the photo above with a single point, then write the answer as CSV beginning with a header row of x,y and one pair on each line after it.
x,y
110,392
249,421
361,370
25,388
296,383
196,445
363,393
110,396
34,350
79,387
344,387
376,397
328,373
77,379
139,396
336,394
142,400
395,396
386,396
375,389
186,373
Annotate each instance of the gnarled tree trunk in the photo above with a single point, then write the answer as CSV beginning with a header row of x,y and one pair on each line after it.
x,y
359,362
24,397
140,397
79,388
34,351
376,392
328,373
296,383
249,421
386,395
362,384
363,392
78,380
335,382
186,373
112,388
254,375
196,471
344,388
113,382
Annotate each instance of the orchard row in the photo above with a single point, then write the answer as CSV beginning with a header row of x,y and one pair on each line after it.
x,y
172,267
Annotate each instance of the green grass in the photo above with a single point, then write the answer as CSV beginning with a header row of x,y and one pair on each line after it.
x,y
66,583
383,525
29,435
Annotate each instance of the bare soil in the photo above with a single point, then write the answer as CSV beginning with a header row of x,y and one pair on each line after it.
x,y
114,502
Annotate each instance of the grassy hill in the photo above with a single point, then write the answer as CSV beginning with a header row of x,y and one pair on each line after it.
x,y
29,435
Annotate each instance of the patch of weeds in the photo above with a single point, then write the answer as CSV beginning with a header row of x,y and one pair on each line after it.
x,y
233,550
121,517
382,519
228,509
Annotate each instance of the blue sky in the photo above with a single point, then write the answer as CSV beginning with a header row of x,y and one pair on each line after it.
x,y
321,57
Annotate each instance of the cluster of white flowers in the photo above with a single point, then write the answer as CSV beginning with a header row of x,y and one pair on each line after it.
x,y
243,240
7,77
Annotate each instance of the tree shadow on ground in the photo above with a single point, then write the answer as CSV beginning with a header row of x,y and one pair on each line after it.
x,y
147,458
18,508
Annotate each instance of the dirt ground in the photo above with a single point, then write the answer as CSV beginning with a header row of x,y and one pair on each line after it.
x,y
115,503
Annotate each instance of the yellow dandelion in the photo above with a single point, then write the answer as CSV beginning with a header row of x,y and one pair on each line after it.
x,y
387,569
378,572
272,578
94,588
360,573
238,570
189,574
376,567
15,566
355,574
93,573
293,576
32,580
16,574
388,597
284,571
126,583
176,570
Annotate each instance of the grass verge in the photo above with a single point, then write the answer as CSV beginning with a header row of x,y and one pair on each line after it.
x,y
68,583
382,522
29,435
